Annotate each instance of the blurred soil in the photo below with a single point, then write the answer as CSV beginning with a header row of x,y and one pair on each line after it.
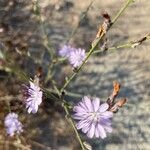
x,y
22,38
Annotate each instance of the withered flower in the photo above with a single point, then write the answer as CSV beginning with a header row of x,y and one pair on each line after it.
x,y
114,106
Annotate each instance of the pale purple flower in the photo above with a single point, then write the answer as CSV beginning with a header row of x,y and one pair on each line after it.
x,y
94,119
65,50
12,124
76,57
33,97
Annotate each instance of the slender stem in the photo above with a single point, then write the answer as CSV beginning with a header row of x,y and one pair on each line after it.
x,y
75,95
122,10
81,18
126,45
56,91
47,43
73,125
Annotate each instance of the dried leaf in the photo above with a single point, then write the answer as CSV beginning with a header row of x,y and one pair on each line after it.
x,y
118,104
116,88
111,99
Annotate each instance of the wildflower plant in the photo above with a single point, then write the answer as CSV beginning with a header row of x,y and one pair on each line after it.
x,y
92,115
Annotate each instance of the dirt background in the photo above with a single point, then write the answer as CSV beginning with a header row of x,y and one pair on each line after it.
x,y
20,34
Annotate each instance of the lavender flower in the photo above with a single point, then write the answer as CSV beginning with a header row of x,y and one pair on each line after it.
x,y
76,57
65,50
34,97
93,117
12,124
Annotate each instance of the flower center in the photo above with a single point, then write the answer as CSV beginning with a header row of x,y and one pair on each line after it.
x,y
94,116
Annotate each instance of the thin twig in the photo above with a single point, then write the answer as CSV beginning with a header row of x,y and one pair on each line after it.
x,y
83,15
131,44
73,126
47,44
122,10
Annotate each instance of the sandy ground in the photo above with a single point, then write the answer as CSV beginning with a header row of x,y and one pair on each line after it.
x,y
131,67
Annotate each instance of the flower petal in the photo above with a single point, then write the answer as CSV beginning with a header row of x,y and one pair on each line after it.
x,y
88,103
105,121
79,109
81,104
79,116
103,107
97,132
81,124
107,114
12,124
96,103
34,98
86,128
102,132
91,131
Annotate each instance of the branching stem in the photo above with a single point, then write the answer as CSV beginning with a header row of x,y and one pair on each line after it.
x,y
81,66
